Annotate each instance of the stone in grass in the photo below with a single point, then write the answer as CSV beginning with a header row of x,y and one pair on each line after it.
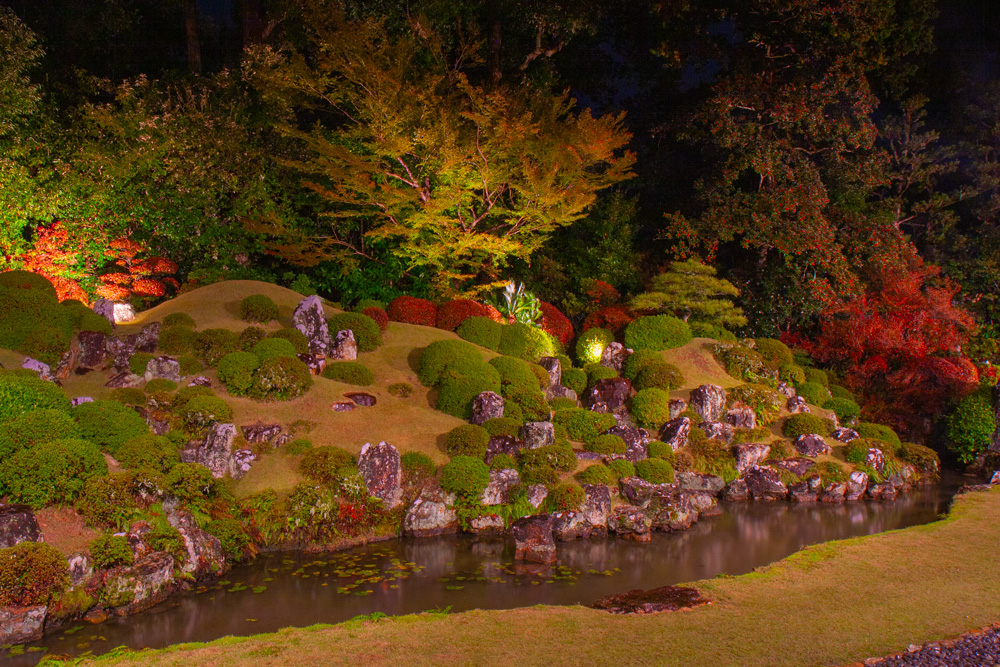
x,y
844,434
106,309
498,491
486,406
811,444
708,401
316,363
79,400
741,415
666,598
163,367
718,431
310,319
379,465
344,347
124,379
875,459
533,539
42,369
797,405
796,465
677,407
502,444
765,484
199,381
260,432
216,453
361,398
18,524
607,395
636,441
538,434
699,482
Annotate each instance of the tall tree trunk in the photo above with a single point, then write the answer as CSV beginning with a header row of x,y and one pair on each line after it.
x,y
191,31
495,48
252,22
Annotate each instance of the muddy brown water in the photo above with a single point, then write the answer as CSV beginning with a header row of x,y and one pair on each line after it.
x,y
460,573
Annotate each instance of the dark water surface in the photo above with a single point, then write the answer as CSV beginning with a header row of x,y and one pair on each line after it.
x,y
407,576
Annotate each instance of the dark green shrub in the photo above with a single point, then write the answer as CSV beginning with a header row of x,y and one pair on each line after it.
x,y
45,343
22,393
131,396
84,319
765,402
888,436
481,331
845,409
175,340
236,371
137,362
108,424
591,343
211,345
813,392
597,372
526,342
774,351
575,379
841,392
539,473
160,385
503,426
503,462
606,444
804,424
583,425
250,337
438,357
655,471
233,537
28,281
366,332
465,476
467,440
597,474
400,389
780,450
657,332
271,348
323,464
515,375
33,428
564,497
638,360
368,303
31,573
298,446
513,411
856,450
650,408
921,457
35,314
461,385
660,450
816,375
560,403
792,374
258,308
293,336
743,363
109,551
659,375
148,451
190,365
417,464
349,372
622,468
280,379
559,457
192,484
179,320
185,394
713,331
533,405
203,411
831,471
51,472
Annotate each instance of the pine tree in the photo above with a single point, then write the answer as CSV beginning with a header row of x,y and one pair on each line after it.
x,y
691,291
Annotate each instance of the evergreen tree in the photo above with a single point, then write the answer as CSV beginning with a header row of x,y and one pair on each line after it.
x,y
691,291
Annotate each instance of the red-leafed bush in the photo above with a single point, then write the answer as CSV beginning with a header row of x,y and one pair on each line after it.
x,y
601,294
380,316
555,323
450,315
612,318
411,310
133,276
54,257
494,314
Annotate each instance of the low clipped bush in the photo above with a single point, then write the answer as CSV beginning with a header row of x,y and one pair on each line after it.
x,y
175,340
712,457
513,411
793,374
657,332
211,345
831,471
192,484
591,343
516,375
887,435
816,375
51,472
203,411
411,310
236,544
650,408
575,379
622,468
323,464
606,444
780,450
559,457
845,409
743,363
20,393
272,348
920,456
564,497
85,319
258,308
583,425
417,464
366,332
378,315
659,375
655,471
526,342
33,428
804,424
534,407
597,372
250,337
349,372
149,451
841,392
236,371
28,281
713,331
185,394
481,331
503,426
137,362
455,394
597,474
813,392
280,379
298,446
179,320
465,476
190,365
503,462
561,403
765,402
130,396
31,573
298,339
660,450
856,450
539,473
467,440
442,355
450,315
109,551
774,351
108,424
742,435
160,385
33,323
400,389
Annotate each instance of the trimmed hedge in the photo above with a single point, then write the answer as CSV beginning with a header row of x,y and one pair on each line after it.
x,y
591,343
158,385
108,424
622,468
792,374
441,355
258,308
516,375
203,411
51,472
33,428
713,331
251,336
236,371
575,379
805,424
179,320
606,444
467,440
481,331
555,324
597,474
280,379
816,375
465,476
534,407
109,551
565,497
650,408
175,340
31,573
659,375
28,281
211,345
379,316
841,392
271,348
596,372
845,409
657,332
813,392
298,339
655,471
889,436
503,426
526,342
349,372
774,351
367,334
148,451
412,310
24,392
583,425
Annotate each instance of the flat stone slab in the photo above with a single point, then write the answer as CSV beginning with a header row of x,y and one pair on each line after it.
x,y
665,598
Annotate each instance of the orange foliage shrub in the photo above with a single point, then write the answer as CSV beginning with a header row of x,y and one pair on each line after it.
x,y
380,316
450,315
612,318
134,276
411,310
54,258
555,323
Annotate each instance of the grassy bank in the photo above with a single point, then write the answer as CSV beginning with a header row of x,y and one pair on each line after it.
x,y
827,605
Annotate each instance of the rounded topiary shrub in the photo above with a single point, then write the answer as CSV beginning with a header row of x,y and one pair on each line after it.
x,y
148,451
560,403
137,362
108,424
417,465
657,332
503,426
539,473
891,438
583,425
185,394
513,411
31,573
591,343
805,424
774,351
400,389
203,411
481,331
190,365
655,471
45,343
109,551
845,409
441,355
838,391
160,385
465,476
366,332
857,450
713,331
503,462
323,464
516,375
575,379
660,450
236,371
467,440
792,374
813,392
271,348
606,444
280,379
298,447
85,319
622,468
298,339
559,457
526,342
816,375
564,497
33,428
456,393
650,408
191,483
533,405
258,308
26,280
597,474
51,472
379,316
349,372
175,340
211,345
251,336
20,393
130,396
179,320
921,456
596,372
659,375
411,310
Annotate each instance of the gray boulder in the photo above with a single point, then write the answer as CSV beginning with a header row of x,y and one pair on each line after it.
x,y
203,554
536,495
700,482
497,492
844,434
92,349
677,406
709,401
875,459
81,568
630,523
796,465
216,452
538,434
21,624
786,389
163,367
105,309
487,524
737,491
811,445
260,433
502,444
40,368
310,319
749,455
486,406
675,432
533,539
596,507
882,491
741,415
857,484
806,491
614,356
671,512
431,514
833,492
146,583
637,491
554,368
636,441
796,405
765,484
18,524
570,526
718,431
343,346
316,363
379,466
607,395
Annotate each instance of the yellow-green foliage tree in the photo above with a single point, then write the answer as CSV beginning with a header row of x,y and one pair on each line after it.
x,y
691,291
456,177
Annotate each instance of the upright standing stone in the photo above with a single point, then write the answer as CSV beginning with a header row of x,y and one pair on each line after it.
x,y
380,467
92,349
215,452
614,356
163,367
538,434
18,524
105,309
344,347
486,406
554,367
709,401
675,432
310,319
533,540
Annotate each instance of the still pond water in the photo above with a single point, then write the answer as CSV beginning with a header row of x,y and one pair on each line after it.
x,y
461,573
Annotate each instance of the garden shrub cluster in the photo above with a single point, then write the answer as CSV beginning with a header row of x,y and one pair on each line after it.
x,y
503,426
583,425
657,332
467,440
883,433
154,452
845,409
555,324
517,376
813,392
379,316
804,423
459,373
175,340
51,472
526,342
211,345
655,471
564,497
349,372
258,308
324,464
411,310
774,351
269,372
482,331
24,392
108,424
109,551
606,444
32,321
465,476
31,573
765,402
366,331
33,428
596,372
744,363
597,474
650,408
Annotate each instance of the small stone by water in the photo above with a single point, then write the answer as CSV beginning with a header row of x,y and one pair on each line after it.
x,y
665,598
